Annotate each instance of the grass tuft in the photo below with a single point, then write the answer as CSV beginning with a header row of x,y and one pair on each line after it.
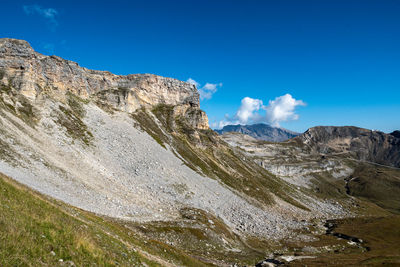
x,y
74,125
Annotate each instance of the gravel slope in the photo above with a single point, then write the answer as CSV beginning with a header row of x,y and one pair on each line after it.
x,y
125,173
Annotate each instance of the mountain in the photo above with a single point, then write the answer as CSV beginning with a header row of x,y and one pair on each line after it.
x,y
260,131
131,166
333,161
34,75
362,144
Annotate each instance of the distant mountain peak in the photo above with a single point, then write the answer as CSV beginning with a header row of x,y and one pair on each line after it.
x,y
260,131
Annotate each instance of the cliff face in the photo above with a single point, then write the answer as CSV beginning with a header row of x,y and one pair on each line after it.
x,y
260,131
33,74
360,143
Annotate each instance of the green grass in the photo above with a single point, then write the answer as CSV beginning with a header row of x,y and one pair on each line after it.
x,y
75,127
31,227
381,235
378,184
76,104
147,124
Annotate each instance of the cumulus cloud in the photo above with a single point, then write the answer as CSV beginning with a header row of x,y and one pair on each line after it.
x,y
282,109
49,14
251,109
248,110
207,90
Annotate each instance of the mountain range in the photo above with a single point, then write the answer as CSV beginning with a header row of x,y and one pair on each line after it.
x,y
260,131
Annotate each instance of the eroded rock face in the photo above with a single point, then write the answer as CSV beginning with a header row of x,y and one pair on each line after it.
x,y
363,144
32,74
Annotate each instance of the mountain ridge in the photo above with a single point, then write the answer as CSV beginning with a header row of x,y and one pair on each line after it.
x,y
360,143
260,131
33,74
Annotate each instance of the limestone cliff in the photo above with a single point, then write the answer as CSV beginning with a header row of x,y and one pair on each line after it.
x,y
33,74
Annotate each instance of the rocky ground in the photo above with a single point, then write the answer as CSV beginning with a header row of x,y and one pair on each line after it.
x,y
137,148
125,173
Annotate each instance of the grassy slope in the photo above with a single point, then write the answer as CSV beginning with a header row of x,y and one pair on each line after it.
x,y
378,223
380,234
378,184
32,226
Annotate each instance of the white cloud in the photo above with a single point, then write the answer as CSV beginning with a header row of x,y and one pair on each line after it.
x,y
207,90
47,13
280,109
248,110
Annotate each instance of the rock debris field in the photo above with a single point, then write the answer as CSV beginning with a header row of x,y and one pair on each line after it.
x,y
124,173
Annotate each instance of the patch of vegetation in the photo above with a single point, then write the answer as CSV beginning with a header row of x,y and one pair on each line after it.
x,y
26,111
326,188
165,114
378,184
2,74
7,153
380,235
180,188
148,124
36,232
76,104
20,107
75,127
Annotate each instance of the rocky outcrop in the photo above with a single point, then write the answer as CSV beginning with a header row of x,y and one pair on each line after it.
x,y
33,74
260,131
363,144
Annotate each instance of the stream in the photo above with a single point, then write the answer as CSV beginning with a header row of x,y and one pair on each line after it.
x,y
330,227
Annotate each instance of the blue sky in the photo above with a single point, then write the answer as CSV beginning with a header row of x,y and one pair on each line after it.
x,y
339,61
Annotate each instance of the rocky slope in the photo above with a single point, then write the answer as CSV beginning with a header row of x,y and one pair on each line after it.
x,y
260,131
137,148
362,144
344,161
